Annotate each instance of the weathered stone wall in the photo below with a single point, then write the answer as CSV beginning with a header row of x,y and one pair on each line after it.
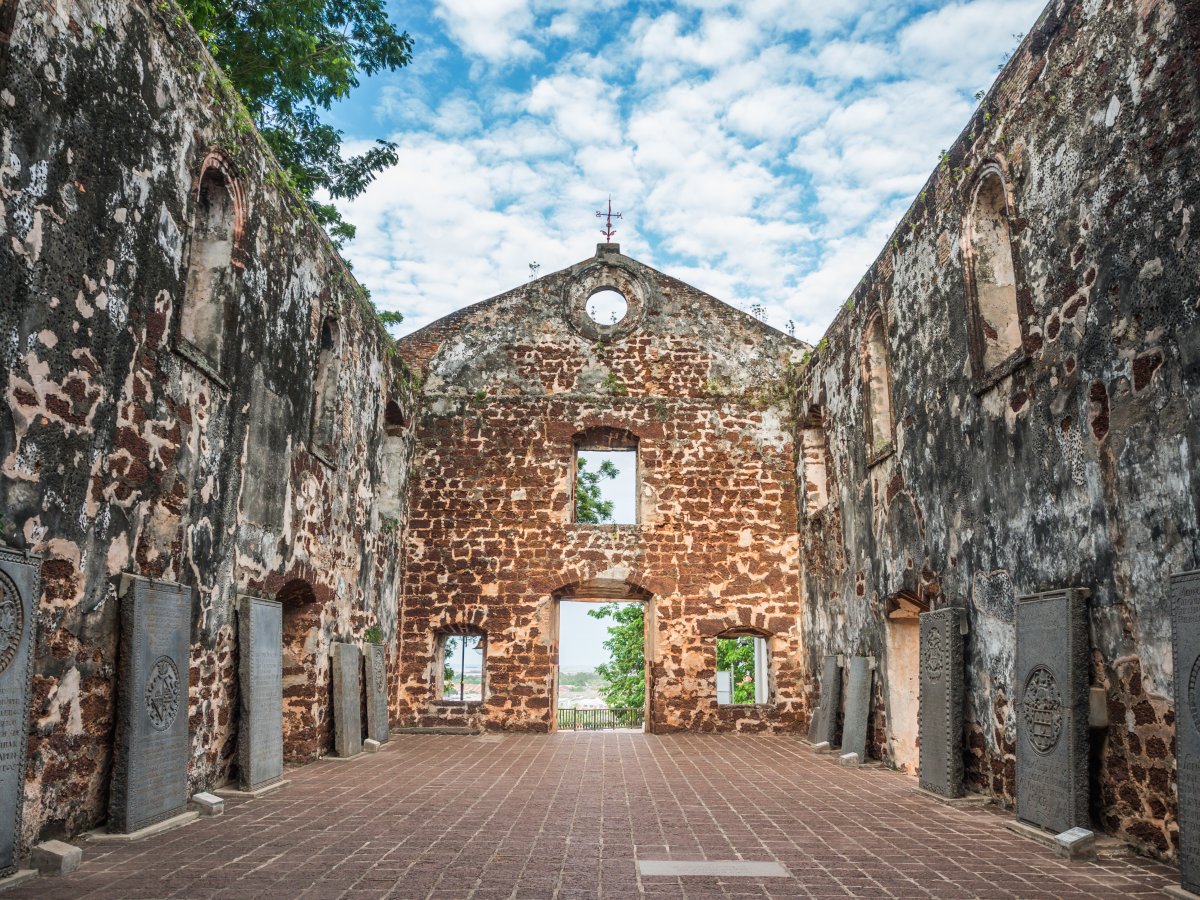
x,y
508,385
1072,463
121,450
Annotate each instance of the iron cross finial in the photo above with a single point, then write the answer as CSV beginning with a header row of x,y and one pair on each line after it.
x,y
607,230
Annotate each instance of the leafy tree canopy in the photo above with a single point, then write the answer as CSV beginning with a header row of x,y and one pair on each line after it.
x,y
589,504
736,655
291,59
624,674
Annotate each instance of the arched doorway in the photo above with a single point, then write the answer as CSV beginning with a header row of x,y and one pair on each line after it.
x,y
302,732
616,593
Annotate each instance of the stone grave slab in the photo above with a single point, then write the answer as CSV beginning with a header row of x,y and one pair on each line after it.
x,y
260,673
20,593
1052,710
149,780
347,711
375,669
940,714
1185,651
826,715
858,707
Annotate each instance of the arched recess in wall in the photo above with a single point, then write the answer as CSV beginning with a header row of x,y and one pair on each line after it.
x,y
877,388
992,275
329,362
812,473
208,318
393,466
301,696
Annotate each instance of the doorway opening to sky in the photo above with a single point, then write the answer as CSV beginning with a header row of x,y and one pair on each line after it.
x,y
601,684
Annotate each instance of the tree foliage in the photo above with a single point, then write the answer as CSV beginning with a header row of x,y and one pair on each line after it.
x,y
736,655
290,60
624,674
589,503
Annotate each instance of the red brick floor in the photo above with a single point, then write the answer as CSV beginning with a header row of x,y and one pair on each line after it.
x,y
569,815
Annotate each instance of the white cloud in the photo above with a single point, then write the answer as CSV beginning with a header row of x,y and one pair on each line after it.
x,y
762,150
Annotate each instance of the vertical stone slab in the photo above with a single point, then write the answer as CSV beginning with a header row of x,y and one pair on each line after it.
x,y
831,702
1052,710
375,668
20,590
941,702
260,671
1185,652
149,780
858,707
347,711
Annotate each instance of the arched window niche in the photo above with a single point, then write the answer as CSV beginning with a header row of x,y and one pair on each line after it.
x,y
329,359
393,466
877,389
992,275
209,310
813,468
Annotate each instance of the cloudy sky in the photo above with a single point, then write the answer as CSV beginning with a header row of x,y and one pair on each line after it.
x,y
761,150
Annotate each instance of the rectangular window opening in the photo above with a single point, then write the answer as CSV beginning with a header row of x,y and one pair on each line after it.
x,y
462,668
606,487
741,670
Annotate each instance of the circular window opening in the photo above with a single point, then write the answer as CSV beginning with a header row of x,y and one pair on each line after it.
x,y
607,307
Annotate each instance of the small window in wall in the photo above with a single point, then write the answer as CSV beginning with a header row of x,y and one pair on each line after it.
x,y
606,477
813,481
208,302
462,668
877,388
741,670
992,276
325,388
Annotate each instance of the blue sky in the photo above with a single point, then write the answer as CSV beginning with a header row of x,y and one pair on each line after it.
x,y
760,150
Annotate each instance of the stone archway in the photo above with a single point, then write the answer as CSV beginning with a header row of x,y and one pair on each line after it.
x,y
903,664
302,739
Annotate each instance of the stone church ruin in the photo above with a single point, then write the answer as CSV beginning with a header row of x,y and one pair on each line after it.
x,y
239,522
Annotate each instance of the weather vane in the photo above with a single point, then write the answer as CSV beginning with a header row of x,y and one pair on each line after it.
x,y
607,230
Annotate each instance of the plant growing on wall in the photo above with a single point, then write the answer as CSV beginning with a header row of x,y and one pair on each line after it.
x,y
373,635
624,674
289,60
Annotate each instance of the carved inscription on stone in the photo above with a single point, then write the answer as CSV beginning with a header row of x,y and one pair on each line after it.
x,y
1052,710
260,672
941,701
375,660
858,707
831,703
149,781
1185,649
347,712
20,588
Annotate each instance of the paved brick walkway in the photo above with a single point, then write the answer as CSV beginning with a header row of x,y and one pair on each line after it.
x,y
569,815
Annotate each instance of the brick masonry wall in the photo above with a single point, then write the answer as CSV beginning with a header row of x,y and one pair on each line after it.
x,y
1077,467
117,453
491,541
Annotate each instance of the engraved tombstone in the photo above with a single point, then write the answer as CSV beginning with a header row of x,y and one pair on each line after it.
x,y
260,669
149,782
941,701
1185,648
826,715
20,588
1052,710
858,707
375,667
347,711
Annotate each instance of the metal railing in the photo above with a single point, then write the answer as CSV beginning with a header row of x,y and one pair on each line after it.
x,y
601,719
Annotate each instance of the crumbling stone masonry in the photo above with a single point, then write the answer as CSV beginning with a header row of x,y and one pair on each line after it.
x,y
196,390
1008,402
511,387
168,312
